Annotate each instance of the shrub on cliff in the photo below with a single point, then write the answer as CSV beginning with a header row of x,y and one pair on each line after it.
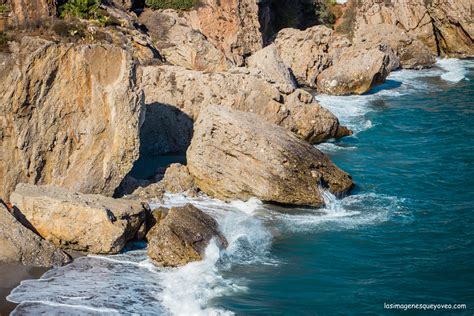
x,y
171,4
86,9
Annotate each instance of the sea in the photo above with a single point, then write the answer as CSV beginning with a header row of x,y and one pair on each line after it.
x,y
402,242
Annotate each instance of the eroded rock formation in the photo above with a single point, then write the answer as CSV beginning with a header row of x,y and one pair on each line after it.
x,y
236,155
81,222
70,115
180,44
177,95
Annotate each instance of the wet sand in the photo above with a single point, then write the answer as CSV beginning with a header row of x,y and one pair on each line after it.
x,y
10,277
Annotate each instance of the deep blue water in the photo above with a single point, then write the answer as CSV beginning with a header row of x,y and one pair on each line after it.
x,y
405,235
420,149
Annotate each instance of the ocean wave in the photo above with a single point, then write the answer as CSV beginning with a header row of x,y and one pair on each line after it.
x,y
130,283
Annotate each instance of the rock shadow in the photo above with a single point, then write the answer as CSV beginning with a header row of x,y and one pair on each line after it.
x,y
165,136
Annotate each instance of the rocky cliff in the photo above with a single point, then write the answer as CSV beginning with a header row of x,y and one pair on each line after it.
x,y
70,115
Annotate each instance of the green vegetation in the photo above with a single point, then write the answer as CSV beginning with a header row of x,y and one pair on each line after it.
x,y
171,4
85,9
323,12
4,9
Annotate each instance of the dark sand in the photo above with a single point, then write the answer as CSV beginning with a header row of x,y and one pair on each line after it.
x,y
10,277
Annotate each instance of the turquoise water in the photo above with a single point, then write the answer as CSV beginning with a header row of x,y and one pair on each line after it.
x,y
405,235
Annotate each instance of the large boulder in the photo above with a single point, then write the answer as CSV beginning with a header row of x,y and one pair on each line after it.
x,y
82,222
355,72
175,96
236,155
272,66
19,244
444,26
411,52
70,115
232,26
180,44
307,53
182,236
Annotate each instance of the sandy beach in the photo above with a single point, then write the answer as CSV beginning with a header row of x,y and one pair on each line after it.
x,y
11,276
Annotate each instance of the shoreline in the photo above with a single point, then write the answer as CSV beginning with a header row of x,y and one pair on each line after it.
x,y
12,275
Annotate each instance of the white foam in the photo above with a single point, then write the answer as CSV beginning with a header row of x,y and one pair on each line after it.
x,y
455,70
130,283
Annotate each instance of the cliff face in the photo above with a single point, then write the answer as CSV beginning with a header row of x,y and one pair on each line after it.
x,y
69,115
231,25
445,26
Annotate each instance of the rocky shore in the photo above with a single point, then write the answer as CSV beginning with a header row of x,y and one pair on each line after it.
x,y
87,92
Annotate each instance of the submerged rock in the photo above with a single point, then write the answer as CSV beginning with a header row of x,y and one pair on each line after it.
x,y
19,244
70,115
236,155
356,71
81,222
182,236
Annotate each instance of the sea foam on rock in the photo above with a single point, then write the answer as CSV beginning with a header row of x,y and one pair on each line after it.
x,y
182,236
81,222
236,155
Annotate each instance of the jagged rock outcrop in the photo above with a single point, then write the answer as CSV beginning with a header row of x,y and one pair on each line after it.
x,y
411,52
445,26
177,95
182,236
454,26
70,115
410,15
356,71
232,26
180,44
18,244
307,53
237,155
81,222
272,66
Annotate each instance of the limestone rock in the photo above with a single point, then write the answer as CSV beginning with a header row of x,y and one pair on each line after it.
x,y
412,16
411,52
444,26
181,94
307,53
81,222
19,244
182,236
236,155
180,44
232,26
270,63
176,180
454,25
28,12
70,115
356,71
